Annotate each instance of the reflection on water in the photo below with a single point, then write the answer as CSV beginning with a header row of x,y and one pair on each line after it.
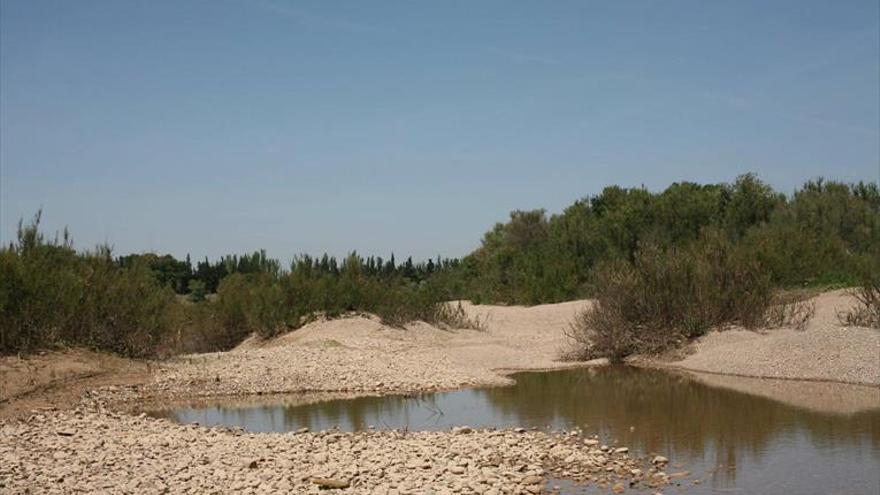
x,y
731,440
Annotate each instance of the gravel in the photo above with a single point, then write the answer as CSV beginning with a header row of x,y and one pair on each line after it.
x,y
95,450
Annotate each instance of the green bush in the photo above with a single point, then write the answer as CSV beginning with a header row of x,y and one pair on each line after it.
x,y
812,238
267,304
249,303
196,290
670,295
51,295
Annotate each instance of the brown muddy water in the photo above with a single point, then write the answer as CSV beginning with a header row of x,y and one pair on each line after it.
x,y
730,441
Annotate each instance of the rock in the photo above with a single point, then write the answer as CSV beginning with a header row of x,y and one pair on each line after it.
x,y
680,474
618,488
532,480
659,459
621,450
331,483
179,458
418,464
66,433
659,477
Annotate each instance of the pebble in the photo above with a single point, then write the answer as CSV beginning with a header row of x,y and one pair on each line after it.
x,y
330,483
147,455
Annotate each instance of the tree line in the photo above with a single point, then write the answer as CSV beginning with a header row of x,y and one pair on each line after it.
x,y
733,244
819,235
205,277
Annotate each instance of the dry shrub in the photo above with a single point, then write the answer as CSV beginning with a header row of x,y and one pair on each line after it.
x,y
793,309
453,316
196,329
669,296
866,313
406,306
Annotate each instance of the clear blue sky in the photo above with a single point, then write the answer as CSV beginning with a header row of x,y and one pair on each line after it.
x,y
225,126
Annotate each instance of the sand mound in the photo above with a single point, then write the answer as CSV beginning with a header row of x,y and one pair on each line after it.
x,y
825,350
360,354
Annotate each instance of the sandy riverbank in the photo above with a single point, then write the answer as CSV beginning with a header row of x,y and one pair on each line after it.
x,y
824,351
359,354
94,447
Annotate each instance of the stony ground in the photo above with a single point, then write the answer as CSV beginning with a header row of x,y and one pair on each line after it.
x,y
96,448
92,450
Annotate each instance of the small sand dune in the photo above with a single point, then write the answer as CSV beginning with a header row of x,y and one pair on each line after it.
x,y
824,351
360,354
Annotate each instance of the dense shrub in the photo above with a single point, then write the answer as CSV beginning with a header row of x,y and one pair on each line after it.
x,y
268,304
812,238
197,290
667,296
51,295
249,304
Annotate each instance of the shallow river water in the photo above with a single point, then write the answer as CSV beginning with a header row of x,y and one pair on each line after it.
x,y
731,441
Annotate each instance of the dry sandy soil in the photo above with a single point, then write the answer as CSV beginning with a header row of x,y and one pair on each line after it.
x,y
59,379
359,354
823,351
94,447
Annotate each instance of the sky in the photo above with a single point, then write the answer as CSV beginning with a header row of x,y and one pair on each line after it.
x,y
226,126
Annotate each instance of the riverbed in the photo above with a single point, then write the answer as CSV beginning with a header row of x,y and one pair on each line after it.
x,y
720,440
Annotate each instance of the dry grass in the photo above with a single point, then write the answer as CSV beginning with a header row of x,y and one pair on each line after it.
x,y
790,309
453,316
866,313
